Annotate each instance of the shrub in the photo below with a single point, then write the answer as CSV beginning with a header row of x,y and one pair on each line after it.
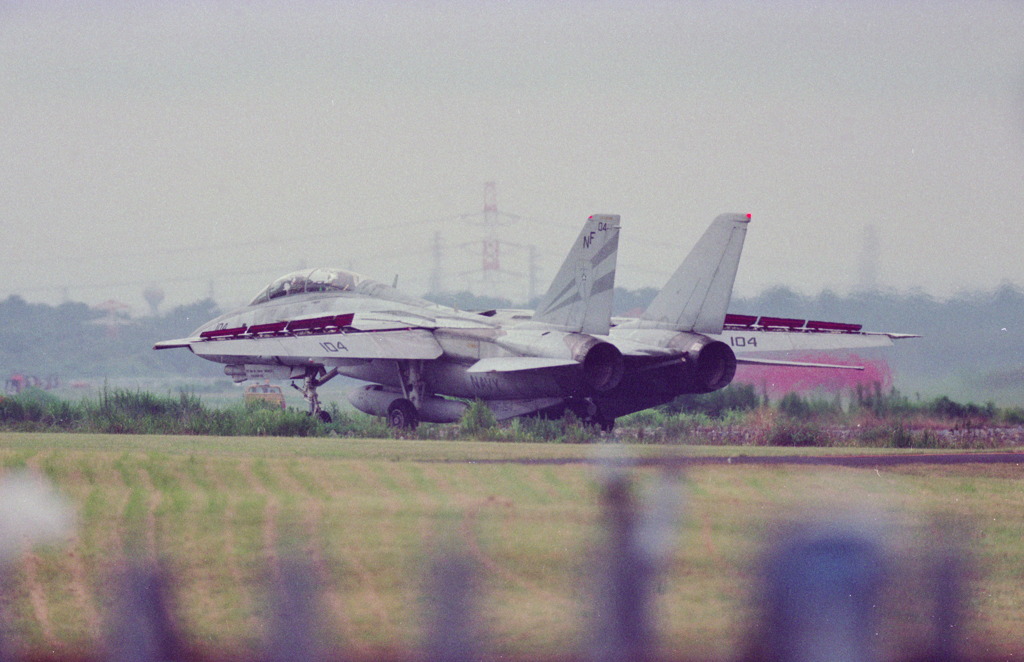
x,y
1013,416
477,419
735,397
574,431
63,415
794,406
900,437
11,410
791,433
943,406
535,429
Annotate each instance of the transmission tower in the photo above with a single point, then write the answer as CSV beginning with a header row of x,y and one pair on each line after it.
x,y
494,277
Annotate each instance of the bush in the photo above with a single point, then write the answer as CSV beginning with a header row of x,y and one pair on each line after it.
x,y
574,431
735,397
791,433
881,404
1013,416
900,437
477,418
793,406
943,406
535,429
11,410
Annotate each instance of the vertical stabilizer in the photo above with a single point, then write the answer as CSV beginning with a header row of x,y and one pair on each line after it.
x,y
580,297
697,295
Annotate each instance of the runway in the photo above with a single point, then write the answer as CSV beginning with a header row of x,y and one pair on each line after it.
x,y
867,461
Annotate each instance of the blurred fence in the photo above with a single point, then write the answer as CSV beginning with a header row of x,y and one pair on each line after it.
x,y
818,598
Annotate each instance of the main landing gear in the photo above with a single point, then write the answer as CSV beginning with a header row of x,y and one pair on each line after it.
x,y
314,379
590,413
403,413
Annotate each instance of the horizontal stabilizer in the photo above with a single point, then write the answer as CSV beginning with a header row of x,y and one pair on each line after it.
x,y
744,360
517,363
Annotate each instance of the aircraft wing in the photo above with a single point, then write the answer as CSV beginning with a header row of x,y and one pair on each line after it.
x,y
402,343
746,360
751,341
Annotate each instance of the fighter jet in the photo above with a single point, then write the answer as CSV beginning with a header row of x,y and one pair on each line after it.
x,y
424,360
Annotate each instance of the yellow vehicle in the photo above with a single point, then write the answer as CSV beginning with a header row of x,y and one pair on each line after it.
x,y
265,393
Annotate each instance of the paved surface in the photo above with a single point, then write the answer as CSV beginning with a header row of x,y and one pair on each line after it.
x,y
878,460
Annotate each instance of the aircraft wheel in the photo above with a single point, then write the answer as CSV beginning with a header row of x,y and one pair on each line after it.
x,y
606,424
325,416
402,414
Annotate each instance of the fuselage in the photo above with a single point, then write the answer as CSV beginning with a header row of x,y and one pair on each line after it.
x,y
316,324
378,312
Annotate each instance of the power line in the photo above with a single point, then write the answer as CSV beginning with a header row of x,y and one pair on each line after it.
x,y
245,244
492,273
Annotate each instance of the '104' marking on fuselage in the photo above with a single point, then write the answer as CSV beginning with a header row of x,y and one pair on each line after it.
x,y
334,346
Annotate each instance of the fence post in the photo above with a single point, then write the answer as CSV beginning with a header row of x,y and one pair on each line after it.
x,y
295,624
451,633
948,567
636,546
820,594
144,629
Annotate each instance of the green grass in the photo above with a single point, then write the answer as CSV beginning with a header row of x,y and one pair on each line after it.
x,y
219,510
870,418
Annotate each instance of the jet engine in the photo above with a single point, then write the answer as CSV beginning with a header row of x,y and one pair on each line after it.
x,y
711,363
602,361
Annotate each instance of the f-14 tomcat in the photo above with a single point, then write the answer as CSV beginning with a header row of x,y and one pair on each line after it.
x,y
423,359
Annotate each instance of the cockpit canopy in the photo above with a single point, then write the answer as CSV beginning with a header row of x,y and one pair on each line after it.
x,y
308,281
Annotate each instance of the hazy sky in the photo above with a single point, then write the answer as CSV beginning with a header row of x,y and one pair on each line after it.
x,y
189,144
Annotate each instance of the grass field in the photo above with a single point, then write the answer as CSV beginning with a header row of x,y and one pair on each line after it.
x,y
367,514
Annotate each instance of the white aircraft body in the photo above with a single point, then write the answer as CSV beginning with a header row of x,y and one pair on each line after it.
x,y
314,325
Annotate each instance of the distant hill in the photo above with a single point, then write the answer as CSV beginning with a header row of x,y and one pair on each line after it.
x,y
74,340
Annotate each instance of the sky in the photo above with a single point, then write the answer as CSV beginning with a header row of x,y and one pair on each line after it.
x,y
204,148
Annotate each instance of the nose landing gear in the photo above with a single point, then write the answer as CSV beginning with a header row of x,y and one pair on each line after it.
x,y
314,379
